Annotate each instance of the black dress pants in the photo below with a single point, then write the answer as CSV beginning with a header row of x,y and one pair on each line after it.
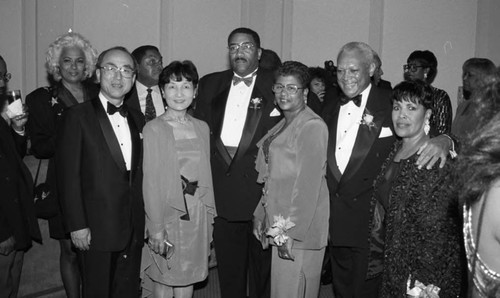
x,y
241,262
111,274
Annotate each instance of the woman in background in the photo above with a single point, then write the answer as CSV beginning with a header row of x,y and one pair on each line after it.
x,y
422,65
178,191
294,208
70,63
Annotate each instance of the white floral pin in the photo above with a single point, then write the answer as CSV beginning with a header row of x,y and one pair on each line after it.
x,y
255,103
54,101
367,119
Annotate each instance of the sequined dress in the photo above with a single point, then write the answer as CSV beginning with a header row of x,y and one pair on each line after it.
x,y
486,281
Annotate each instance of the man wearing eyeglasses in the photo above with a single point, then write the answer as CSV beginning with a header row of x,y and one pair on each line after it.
x,y
238,106
100,181
145,96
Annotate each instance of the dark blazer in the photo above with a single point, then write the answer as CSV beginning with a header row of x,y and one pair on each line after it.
x,y
350,193
17,211
96,191
235,180
132,100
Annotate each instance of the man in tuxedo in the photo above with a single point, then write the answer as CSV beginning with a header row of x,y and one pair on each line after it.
x,y
19,225
360,139
145,96
238,106
98,167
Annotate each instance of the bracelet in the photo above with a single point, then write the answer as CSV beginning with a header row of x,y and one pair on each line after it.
x,y
452,151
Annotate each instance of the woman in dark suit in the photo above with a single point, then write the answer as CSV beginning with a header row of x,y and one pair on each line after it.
x,y
294,209
70,62
414,211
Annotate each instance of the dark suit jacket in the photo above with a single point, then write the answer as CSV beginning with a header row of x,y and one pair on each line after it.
x,y
17,212
350,193
235,181
96,191
132,101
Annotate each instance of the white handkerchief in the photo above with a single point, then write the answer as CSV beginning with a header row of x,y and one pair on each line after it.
x,y
275,113
140,135
385,132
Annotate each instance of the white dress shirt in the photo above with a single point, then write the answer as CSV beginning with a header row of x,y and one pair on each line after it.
x,y
236,111
142,92
350,116
122,132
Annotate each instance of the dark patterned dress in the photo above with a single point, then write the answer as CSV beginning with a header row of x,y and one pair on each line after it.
x,y
442,112
421,221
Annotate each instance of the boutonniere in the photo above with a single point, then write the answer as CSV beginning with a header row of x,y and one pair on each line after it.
x,y
367,119
255,103
54,101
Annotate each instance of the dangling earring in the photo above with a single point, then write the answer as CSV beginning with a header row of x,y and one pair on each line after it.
x,y
427,127
425,76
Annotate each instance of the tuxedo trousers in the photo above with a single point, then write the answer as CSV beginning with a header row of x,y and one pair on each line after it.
x,y
243,266
349,270
10,273
111,274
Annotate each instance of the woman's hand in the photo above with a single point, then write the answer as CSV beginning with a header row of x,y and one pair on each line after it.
x,y
257,228
285,251
156,242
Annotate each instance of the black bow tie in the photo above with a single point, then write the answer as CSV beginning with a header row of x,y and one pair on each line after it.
x,y
248,81
356,100
113,109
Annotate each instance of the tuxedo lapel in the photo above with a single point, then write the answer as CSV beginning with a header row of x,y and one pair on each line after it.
x,y
109,134
332,141
136,145
366,136
218,109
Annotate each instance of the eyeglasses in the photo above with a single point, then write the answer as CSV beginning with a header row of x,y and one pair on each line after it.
x,y
412,67
6,77
244,46
290,88
154,62
125,71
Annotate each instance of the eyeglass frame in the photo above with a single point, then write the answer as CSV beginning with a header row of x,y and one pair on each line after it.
x,y
6,77
153,61
245,46
286,88
114,69
412,67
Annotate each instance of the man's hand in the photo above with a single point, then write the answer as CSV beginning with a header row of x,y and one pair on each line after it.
x,y
433,150
7,246
156,242
285,251
81,239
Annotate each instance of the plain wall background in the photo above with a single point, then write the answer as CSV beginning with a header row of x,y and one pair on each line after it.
x,y
310,31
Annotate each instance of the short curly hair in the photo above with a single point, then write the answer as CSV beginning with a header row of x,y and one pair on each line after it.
x,y
417,92
70,39
296,69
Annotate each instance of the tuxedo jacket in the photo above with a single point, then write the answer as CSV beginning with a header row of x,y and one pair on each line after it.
x,y
351,191
17,211
235,180
132,101
96,190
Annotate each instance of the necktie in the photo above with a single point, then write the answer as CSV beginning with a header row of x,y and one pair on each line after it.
x,y
111,109
248,81
356,100
149,113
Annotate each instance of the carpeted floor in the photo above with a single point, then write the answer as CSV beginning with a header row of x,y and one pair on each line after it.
x,y
207,289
